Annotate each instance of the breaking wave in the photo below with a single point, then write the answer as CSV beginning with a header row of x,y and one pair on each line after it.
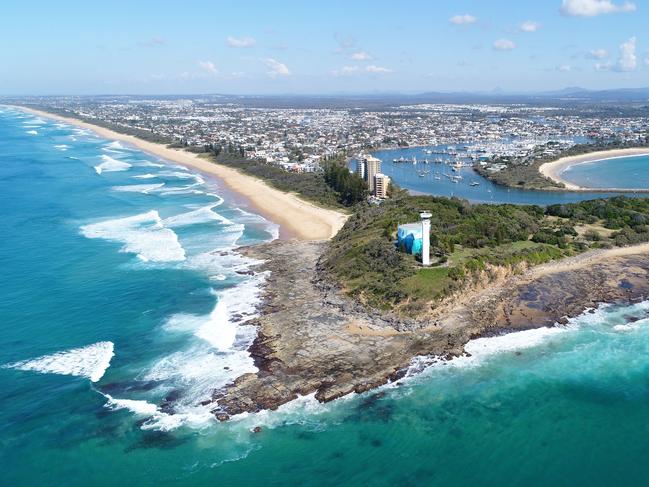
x,y
91,362
111,165
138,188
144,235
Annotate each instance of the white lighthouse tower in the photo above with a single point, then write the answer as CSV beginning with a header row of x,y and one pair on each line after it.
x,y
425,238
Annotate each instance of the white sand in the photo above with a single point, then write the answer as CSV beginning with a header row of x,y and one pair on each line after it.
x,y
297,218
554,169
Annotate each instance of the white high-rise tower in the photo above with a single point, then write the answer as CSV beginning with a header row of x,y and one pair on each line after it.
x,y
425,237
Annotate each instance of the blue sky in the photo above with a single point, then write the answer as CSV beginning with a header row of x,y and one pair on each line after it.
x,y
309,47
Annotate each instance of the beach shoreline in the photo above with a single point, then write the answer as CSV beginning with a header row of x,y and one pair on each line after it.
x,y
553,170
296,217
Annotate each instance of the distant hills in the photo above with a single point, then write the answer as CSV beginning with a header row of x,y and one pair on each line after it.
x,y
565,96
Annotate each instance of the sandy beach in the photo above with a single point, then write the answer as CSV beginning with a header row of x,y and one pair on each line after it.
x,y
554,169
297,218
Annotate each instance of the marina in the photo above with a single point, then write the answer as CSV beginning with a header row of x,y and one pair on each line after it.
x,y
453,175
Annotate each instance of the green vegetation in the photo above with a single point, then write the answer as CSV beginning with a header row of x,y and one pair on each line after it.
x,y
335,188
469,243
351,188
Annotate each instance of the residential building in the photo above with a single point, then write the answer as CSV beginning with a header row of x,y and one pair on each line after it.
x,y
381,184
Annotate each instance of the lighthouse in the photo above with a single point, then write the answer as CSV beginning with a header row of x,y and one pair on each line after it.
x,y
425,238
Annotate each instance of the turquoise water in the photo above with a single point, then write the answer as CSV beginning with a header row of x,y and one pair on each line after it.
x,y
438,183
119,310
623,172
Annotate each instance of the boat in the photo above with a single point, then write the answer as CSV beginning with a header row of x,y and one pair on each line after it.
x,y
475,183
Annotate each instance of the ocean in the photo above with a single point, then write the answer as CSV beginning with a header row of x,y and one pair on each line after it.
x,y
123,305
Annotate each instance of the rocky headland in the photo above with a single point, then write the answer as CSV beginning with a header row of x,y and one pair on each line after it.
x,y
313,339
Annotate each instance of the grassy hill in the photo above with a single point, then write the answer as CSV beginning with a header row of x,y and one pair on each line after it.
x,y
468,242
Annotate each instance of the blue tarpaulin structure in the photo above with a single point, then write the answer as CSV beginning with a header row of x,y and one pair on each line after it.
x,y
409,238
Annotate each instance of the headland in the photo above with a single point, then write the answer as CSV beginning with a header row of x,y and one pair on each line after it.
x,y
317,337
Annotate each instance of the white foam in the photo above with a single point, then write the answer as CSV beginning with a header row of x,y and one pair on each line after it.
x,y
159,420
144,235
198,371
182,175
631,326
482,348
32,132
204,214
145,163
115,145
91,362
62,147
111,165
235,306
34,121
138,188
146,176
139,407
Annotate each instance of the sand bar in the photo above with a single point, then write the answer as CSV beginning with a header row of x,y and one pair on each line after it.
x,y
555,169
297,218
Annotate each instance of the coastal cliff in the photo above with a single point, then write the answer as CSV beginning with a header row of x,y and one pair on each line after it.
x,y
312,339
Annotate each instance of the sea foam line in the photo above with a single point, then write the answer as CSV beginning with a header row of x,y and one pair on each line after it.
x,y
111,165
144,235
90,361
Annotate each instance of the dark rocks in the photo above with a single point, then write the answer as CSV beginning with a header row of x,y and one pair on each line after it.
x,y
245,273
312,339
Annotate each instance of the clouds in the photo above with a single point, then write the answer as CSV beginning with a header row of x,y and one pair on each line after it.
x,y
377,69
628,60
240,42
357,70
276,69
529,26
465,19
360,56
597,53
592,8
504,45
208,66
564,68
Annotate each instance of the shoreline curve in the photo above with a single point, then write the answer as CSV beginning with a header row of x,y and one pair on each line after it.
x,y
553,170
296,217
